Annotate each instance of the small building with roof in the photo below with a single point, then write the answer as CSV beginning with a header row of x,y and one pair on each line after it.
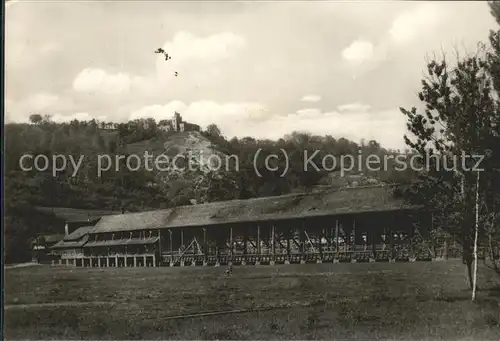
x,y
41,247
70,249
70,220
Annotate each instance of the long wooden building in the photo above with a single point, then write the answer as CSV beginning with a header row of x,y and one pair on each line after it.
x,y
343,225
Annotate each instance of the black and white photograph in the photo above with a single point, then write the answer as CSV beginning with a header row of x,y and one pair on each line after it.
x,y
251,170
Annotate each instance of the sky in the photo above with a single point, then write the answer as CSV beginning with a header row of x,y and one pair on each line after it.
x,y
261,69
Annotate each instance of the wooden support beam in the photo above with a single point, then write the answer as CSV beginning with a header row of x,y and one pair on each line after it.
x,y
279,240
258,240
320,246
182,240
337,237
302,239
160,240
297,243
245,238
170,245
391,243
205,246
181,255
373,242
231,245
353,246
273,249
328,237
310,241
288,236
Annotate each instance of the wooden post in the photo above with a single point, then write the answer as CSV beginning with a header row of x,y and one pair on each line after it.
x,y
391,245
288,235
337,237
373,241
205,246
245,243
321,243
159,245
353,246
171,247
272,242
258,240
302,241
182,241
244,259
231,246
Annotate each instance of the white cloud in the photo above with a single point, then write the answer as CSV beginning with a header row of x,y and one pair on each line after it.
x,y
185,47
40,101
309,112
12,114
311,98
359,51
410,25
362,56
158,112
98,80
356,107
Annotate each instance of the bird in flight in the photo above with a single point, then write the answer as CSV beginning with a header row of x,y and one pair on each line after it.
x,y
167,57
162,51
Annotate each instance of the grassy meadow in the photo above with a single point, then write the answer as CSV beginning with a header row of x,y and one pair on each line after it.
x,y
403,301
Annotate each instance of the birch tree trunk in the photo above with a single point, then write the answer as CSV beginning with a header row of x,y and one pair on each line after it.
x,y
467,245
474,278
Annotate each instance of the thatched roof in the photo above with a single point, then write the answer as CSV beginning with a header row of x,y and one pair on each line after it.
x,y
71,215
333,202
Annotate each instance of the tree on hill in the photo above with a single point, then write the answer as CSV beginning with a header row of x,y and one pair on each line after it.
x,y
36,118
213,130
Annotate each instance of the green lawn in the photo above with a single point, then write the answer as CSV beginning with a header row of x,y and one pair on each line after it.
x,y
321,301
